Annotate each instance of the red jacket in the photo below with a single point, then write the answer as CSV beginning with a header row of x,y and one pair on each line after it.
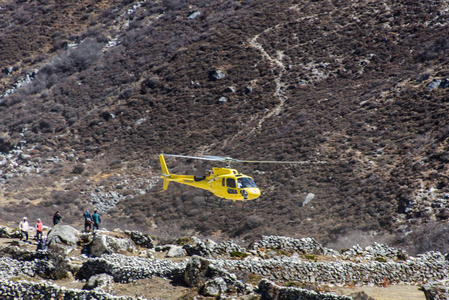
x,y
39,226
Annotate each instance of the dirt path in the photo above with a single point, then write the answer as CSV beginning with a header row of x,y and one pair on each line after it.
x,y
392,292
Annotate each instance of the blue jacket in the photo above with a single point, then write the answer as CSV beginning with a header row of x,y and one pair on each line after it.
x,y
96,218
87,216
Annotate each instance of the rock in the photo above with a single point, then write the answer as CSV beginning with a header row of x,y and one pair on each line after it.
x,y
214,287
194,15
229,89
216,75
308,198
5,232
104,244
99,280
436,290
195,271
176,251
141,239
63,238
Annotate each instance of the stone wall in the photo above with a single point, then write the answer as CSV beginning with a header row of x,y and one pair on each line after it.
x,y
341,273
269,290
10,290
356,266
126,268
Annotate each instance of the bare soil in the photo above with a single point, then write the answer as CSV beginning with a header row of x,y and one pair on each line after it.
x,y
392,292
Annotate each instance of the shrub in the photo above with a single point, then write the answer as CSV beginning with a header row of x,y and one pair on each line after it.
x,y
238,254
293,284
78,169
380,259
310,256
254,279
65,197
184,240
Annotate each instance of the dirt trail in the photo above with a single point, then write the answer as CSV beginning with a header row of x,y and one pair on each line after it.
x,y
392,292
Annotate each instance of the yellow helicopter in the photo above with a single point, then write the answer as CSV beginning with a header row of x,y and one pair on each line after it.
x,y
224,183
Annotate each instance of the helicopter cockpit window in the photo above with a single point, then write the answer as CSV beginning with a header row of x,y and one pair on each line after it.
x,y
246,182
230,182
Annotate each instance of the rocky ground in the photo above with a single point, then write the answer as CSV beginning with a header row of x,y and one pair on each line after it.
x,y
131,265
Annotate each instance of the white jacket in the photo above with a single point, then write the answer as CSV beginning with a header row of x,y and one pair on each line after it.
x,y
24,226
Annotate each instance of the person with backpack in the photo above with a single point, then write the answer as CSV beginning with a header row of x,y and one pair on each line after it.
x,y
96,219
87,221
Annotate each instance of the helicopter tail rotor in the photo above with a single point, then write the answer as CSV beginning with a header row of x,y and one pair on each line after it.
x,y
165,172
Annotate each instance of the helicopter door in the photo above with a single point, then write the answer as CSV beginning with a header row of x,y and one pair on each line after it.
x,y
232,187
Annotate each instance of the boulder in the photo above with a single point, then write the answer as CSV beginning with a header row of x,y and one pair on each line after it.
x,y
176,251
214,287
213,280
105,244
194,15
436,289
216,75
98,281
141,239
63,238
308,198
5,232
196,271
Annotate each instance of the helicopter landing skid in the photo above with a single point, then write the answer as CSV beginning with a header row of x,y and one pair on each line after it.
x,y
223,203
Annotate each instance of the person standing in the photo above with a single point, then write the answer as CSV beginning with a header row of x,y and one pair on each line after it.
x,y
97,220
39,230
87,221
24,226
57,218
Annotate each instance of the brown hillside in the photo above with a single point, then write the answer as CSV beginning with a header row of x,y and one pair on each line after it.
x,y
360,86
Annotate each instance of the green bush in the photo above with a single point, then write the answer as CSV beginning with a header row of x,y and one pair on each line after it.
x,y
184,240
380,259
293,284
238,254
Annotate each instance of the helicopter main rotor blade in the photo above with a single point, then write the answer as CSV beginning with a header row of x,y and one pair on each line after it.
x,y
232,160
273,161
219,158
186,156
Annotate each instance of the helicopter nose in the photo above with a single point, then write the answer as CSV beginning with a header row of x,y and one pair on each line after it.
x,y
253,193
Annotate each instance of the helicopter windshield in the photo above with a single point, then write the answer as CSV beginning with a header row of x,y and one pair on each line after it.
x,y
246,182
